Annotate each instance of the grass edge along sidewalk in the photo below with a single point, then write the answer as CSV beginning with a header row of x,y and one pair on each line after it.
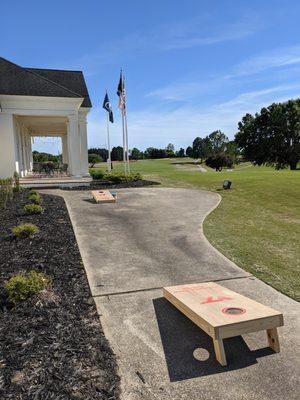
x,y
256,225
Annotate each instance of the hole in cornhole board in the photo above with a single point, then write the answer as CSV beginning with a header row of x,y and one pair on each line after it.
x,y
180,337
233,310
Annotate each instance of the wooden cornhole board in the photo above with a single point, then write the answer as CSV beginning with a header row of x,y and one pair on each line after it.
x,y
103,196
222,313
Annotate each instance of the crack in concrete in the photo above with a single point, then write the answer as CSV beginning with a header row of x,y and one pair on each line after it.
x,y
160,287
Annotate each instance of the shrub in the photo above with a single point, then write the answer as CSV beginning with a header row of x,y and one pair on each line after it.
x,y
25,230
97,174
118,177
94,159
6,192
33,191
219,161
115,177
135,176
21,287
33,209
35,198
16,178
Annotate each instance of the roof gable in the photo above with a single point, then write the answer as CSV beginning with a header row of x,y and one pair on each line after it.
x,y
73,80
15,80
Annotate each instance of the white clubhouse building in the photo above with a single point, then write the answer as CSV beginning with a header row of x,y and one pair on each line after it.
x,y
42,102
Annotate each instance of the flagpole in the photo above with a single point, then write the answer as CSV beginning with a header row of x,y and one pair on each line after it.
x,y
108,145
126,138
125,126
124,143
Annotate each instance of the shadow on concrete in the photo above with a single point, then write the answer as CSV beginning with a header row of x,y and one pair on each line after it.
x,y
181,337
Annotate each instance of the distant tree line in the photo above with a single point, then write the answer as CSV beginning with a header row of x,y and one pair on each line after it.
x,y
45,157
136,154
271,137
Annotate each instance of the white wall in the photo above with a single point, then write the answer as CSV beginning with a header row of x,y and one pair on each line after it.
x,y
7,146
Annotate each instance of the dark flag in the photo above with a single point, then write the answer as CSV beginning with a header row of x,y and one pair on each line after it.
x,y
107,107
121,92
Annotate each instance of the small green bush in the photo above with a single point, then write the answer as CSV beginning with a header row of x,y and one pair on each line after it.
x,y
33,209
16,178
135,176
22,287
25,230
6,192
118,177
33,191
35,198
94,159
97,174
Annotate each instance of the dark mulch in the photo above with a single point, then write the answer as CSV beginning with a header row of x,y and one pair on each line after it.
x,y
101,184
52,346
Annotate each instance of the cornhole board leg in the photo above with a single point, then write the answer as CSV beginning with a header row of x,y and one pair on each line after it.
x,y
273,339
219,351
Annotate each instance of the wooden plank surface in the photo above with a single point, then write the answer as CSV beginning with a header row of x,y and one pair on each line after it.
x,y
207,305
103,196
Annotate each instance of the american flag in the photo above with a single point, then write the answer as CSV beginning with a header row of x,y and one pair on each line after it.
x,y
121,92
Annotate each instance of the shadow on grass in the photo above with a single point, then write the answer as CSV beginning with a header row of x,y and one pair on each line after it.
x,y
181,337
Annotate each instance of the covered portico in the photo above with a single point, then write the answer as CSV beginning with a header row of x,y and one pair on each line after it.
x,y
34,103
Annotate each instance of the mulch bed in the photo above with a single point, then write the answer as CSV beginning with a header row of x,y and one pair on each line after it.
x,y
101,184
51,346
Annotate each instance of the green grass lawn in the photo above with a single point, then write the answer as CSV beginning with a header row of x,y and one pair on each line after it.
x,y
257,224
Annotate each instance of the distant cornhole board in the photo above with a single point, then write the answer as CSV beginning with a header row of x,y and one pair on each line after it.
x,y
103,196
222,313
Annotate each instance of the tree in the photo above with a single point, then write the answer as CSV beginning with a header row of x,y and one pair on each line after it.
x,y
201,148
219,161
44,157
117,153
272,136
217,142
170,150
94,159
189,151
152,152
136,154
232,150
180,152
100,151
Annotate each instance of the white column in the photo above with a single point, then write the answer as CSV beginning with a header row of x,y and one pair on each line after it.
x,y
74,146
30,154
27,147
23,149
7,146
64,142
83,144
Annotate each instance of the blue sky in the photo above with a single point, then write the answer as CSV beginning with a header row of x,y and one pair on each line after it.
x,y
191,67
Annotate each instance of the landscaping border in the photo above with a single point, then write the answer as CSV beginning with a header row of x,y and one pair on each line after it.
x,y
52,346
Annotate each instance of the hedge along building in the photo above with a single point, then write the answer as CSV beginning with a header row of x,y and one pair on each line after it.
x,y
42,102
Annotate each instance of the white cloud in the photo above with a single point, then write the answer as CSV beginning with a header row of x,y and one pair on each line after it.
x,y
173,36
277,58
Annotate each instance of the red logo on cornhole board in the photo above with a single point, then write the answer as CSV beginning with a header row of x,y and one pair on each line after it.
x,y
212,299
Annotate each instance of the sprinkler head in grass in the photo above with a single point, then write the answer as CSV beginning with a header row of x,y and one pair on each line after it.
x,y
227,184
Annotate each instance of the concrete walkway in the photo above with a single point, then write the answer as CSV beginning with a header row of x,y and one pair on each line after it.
x,y
150,238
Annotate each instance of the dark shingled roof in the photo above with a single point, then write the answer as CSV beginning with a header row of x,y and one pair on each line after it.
x,y
16,80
